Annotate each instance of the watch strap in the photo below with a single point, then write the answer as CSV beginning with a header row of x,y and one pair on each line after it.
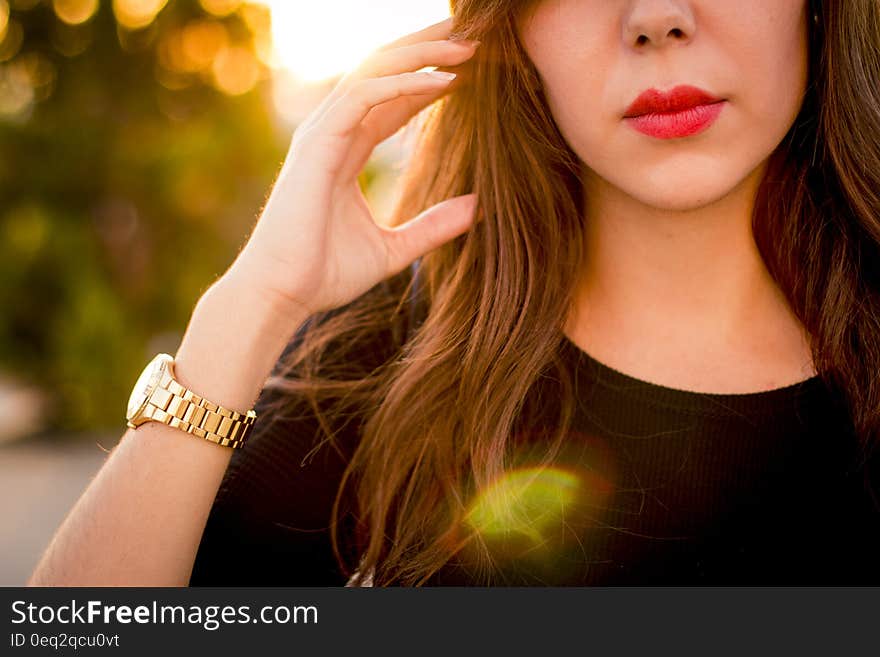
x,y
179,407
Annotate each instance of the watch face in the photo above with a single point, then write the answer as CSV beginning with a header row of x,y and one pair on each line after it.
x,y
146,383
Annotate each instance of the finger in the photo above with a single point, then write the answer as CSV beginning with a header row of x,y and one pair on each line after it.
x,y
416,56
347,113
429,230
443,52
439,30
385,120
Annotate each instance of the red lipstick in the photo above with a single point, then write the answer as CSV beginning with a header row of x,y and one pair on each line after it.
x,y
681,112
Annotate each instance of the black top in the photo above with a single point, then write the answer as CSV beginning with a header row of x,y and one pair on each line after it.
x,y
660,485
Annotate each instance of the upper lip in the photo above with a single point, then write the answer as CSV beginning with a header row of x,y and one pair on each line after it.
x,y
682,97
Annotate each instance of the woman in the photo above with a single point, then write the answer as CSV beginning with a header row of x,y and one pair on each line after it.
x,y
637,342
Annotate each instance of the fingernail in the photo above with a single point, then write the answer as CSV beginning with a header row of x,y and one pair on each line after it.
x,y
471,43
443,75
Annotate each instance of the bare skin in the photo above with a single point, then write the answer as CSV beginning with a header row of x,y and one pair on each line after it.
x,y
693,293
315,247
673,290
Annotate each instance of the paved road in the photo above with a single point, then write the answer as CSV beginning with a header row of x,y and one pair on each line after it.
x,y
40,480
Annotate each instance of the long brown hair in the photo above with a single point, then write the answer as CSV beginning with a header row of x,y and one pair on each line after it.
x,y
438,415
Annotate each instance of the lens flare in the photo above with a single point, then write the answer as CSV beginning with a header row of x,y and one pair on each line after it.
x,y
544,520
528,502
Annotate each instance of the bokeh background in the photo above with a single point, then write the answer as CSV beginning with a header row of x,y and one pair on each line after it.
x,y
138,142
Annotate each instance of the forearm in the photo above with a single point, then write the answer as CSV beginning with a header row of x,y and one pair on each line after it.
x,y
140,520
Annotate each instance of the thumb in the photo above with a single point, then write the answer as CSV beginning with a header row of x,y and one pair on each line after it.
x,y
432,228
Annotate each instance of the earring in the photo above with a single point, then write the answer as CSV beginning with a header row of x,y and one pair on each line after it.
x,y
815,18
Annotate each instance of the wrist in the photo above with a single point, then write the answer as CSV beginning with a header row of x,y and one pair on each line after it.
x,y
250,278
231,344
235,285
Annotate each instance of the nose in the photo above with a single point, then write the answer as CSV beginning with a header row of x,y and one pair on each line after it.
x,y
655,22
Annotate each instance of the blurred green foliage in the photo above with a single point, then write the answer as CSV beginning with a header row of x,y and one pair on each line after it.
x,y
125,190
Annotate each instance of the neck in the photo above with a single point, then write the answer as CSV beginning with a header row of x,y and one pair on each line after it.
x,y
683,298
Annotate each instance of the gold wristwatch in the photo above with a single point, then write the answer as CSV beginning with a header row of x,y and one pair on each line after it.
x,y
158,396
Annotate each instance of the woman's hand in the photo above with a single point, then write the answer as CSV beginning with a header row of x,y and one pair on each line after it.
x,y
316,245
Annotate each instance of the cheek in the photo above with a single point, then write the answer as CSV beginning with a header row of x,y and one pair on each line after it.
x,y
585,110
580,92
772,63
576,60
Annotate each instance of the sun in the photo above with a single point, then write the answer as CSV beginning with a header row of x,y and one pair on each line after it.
x,y
319,39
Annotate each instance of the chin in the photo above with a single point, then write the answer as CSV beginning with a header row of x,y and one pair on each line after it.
x,y
681,195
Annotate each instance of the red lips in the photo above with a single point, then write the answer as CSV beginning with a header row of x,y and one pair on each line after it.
x,y
678,98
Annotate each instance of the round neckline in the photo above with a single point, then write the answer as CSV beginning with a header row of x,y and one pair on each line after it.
x,y
595,372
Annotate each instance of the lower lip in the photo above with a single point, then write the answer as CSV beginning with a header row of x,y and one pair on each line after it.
x,y
674,125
